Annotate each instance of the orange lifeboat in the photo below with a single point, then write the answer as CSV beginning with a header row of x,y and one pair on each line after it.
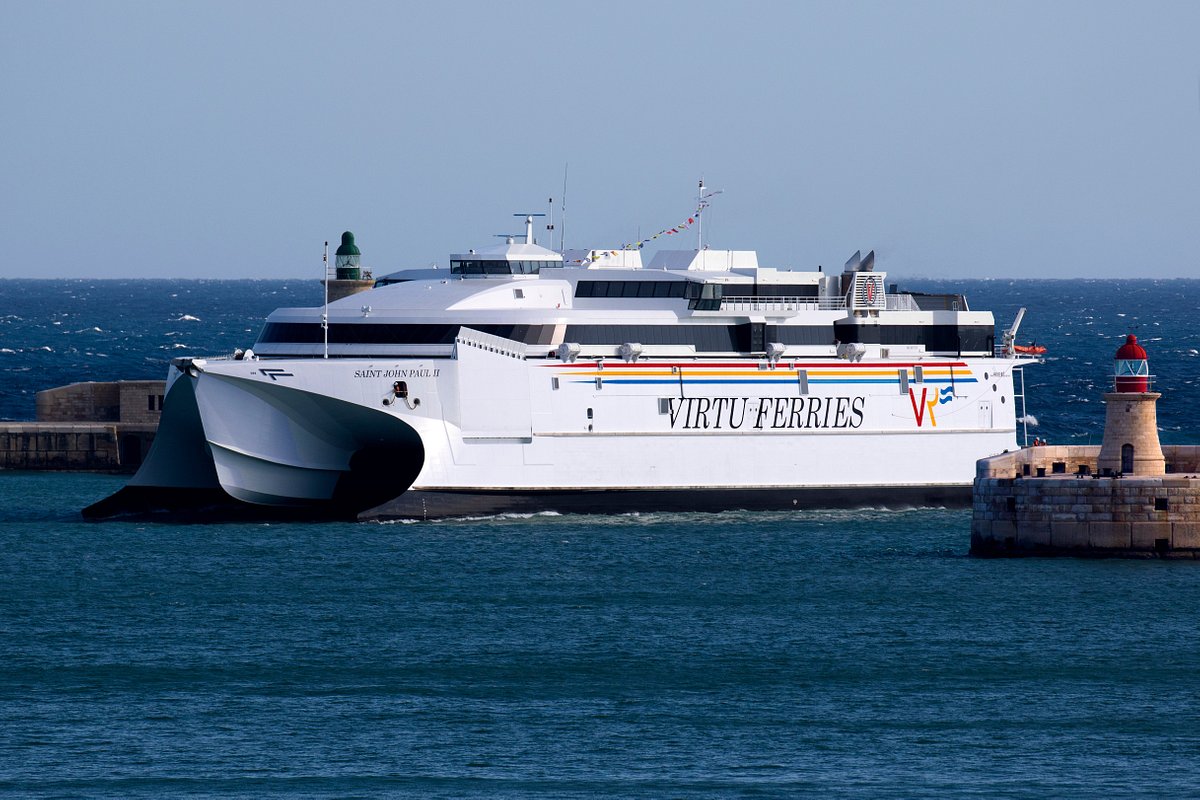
x,y
1029,349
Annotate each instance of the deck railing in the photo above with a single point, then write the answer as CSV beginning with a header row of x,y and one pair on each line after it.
x,y
895,302
737,303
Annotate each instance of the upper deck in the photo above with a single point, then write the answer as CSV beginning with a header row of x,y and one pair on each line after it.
x,y
684,303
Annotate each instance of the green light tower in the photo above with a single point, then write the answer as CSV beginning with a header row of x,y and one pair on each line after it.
x,y
347,258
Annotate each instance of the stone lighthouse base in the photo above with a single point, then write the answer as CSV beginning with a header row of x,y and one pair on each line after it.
x,y
1051,501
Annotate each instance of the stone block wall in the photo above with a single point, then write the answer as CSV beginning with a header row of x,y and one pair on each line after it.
x,y
141,401
1051,460
133,402
80,402
66,447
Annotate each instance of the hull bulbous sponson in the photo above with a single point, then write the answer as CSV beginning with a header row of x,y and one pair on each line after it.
x,y
525,380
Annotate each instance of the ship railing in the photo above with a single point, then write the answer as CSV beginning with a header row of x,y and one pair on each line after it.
x,y
895,302
739,303
490,342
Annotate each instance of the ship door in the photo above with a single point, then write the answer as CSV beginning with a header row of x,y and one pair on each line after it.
x,y
985,413
758,337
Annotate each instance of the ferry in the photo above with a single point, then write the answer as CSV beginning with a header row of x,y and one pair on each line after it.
x,y
526,379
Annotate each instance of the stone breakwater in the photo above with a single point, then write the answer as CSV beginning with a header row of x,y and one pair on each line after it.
x,y
1051,500
86,426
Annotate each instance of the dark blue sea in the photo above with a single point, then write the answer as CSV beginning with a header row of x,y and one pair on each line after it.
x,y
812,654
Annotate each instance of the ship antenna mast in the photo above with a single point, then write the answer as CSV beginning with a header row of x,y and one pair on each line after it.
x,y
325,316
701,204
562,234
528,227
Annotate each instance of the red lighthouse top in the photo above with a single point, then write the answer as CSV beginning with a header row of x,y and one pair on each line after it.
x,y
1131,350
1132,372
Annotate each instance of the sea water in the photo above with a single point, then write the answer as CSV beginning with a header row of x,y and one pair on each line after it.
x,y
824,654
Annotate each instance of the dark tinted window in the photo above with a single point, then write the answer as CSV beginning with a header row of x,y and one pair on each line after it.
x,y
705,338
938,338
634,288
373,333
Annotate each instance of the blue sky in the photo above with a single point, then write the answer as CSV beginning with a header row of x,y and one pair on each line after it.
x,y
967,139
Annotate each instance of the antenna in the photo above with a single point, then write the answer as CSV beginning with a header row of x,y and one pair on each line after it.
x,y
550,225
529,226
562,234
701,204
325,316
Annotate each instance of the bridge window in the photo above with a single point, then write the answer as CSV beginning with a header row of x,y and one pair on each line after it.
x,y
631,288
704,296
498,266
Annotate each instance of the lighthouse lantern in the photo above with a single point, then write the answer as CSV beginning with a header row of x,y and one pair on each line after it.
x,y
1131,371
347,259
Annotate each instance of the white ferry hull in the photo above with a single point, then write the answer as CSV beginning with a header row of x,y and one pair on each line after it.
x,y
487,432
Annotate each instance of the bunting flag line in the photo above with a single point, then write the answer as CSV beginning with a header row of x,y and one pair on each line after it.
x,y
691,220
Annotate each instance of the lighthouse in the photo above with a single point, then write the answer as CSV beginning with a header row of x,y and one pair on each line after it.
x,y
1131,445
350,278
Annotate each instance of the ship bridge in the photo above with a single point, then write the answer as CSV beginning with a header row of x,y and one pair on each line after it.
x,y
511,258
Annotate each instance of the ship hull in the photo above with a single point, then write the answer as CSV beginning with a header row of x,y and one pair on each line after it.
x,y
486,432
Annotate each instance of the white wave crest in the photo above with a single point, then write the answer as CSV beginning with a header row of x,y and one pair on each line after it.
x,y
508,515
1029,419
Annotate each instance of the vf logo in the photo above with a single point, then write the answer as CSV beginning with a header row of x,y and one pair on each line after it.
x,y
926,405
